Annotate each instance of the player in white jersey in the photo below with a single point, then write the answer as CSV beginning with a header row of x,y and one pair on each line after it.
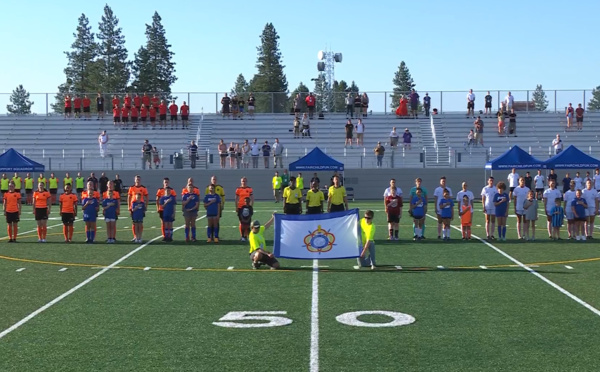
x,y
539,180
519,196
513,181
578,182
590,196
568,198
489,209
550,196
438,194
459,198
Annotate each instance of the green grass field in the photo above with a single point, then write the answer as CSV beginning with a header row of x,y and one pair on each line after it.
x,y
152,307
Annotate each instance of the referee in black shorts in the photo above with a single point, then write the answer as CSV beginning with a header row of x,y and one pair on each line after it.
x,y
314,199
292,198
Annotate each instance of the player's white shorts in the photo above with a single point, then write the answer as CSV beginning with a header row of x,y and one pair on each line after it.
x,y
591,211
570,215
520,212
490,211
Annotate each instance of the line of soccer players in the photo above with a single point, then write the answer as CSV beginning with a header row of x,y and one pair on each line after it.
x,y
142,112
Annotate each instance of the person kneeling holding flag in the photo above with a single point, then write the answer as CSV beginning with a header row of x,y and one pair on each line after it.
x,y
258,254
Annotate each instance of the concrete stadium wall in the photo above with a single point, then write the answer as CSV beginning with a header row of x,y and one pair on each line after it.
x,y
368,184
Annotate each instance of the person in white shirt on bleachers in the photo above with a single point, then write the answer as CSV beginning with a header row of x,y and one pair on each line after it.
x,y
509,100
539,180
471,103
513,181
557,144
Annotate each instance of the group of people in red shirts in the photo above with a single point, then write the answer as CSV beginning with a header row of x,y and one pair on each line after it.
x,y
144,109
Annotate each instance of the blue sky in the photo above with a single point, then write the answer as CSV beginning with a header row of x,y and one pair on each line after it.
x,y
447,45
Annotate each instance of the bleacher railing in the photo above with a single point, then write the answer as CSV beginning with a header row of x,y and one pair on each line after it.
x,y
379,101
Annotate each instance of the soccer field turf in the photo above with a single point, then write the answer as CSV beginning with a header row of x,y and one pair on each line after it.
x,y
514,305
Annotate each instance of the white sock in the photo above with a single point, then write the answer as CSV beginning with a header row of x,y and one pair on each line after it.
x,y
447,233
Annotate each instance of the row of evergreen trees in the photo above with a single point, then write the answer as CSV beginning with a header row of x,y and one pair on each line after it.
x,y
99,63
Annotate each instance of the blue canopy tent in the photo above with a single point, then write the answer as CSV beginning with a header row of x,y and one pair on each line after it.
x,y
515,157
571,158
315,161
13,161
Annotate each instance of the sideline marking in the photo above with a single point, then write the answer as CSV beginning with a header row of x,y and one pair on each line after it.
x,y
21,269
314,320
532,271
62,269
147,268
189,269
230,268
80,285
483,267
313,266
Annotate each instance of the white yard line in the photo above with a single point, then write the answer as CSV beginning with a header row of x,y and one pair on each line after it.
x,y
314,320
535,273
80,285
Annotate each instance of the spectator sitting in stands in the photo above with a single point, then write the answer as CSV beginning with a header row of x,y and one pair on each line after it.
x,y
471,138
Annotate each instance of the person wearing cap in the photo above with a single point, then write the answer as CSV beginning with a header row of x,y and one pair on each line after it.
x,y
367,228
258,254
292,198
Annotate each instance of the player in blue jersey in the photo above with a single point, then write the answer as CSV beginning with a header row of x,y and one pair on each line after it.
x,y
501,200
446,208
212,204
579,207
138,208
558,214
418,208
167,203
190,202
110,210
413,193
89,206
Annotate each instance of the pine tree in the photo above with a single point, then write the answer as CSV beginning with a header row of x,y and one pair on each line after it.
x,y
340,91
112,63
154,70
403,83
240,87
20,103
303,90
321,93
539,98
270,76
81,71
594,103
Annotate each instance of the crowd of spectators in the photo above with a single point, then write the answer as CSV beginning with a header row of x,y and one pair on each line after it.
x,y
240,156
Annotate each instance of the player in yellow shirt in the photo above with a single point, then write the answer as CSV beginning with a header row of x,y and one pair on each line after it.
x,y
42,179
258,254
79,183
367,228
53,188
292,198
28,181
4,183
18,182
314,199
300,183
219,190
68,180
336,197
277,182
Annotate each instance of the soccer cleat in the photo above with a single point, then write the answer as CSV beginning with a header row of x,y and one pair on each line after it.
x,y
209,240
373,267
216,240
357,267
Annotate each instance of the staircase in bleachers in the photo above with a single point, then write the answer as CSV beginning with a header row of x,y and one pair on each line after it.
x,y
436,151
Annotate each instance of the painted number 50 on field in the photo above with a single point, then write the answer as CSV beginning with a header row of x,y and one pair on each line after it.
x,y
265,319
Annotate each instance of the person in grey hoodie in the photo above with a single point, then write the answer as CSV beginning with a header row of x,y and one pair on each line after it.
x,y
350,106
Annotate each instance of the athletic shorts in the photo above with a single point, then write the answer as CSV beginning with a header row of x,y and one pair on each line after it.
x,y
491,211
313,210
41,214
488,105
79,190
337,208
53,191
152,119
174,117
184,117
109,219
292,209
143,119
28,191
190,214
296,110
590,211
241,110
348,135
470,105
265,259
67,110
117,119
393,218
125,119
580,219
89,217
67,218
163,117
99,108
86,109
134,119
511,189
137,221
250,108
12,217
579,119
539,190
77,110
169,218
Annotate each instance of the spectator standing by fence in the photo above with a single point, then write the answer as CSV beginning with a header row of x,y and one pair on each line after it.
x,y
414,103
147,154
569,112
103,143
579,116
478,131
266,150
222,149
100,106
407,139
193,154
349,106
471,103
360,132
277,149
310,105
488,105
255,153
394,138
509,101
512,123
426,104
379,151
365,104
349,131
357,105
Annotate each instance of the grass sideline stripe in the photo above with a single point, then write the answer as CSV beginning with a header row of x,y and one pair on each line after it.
x,y
314,319
80,285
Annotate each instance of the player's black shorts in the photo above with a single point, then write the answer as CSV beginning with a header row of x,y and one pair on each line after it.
x,y
163,117
77,110
173,117
134,119
539,190
143,119
313,210
79,190
152,119
393,218
67,110
12,217
511,189
125,119
86,109
67,218
28,191
100,108
41,214
579,119
117,119
292,209
488,105
337,207
184,117
470,105
53,191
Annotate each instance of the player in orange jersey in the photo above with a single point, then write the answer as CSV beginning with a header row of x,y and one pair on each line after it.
x,y
12,211
41,211
68,211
